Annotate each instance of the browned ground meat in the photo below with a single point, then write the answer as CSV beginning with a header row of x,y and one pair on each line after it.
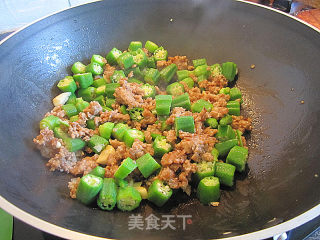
x,y
171,136
85,165
60,158
111,116
146,52
148,118
241,123
139,148
214,84
129,94
110,170
122,152
162,64
180,61
177,112
194,94
154,128
195,145
77,131
93,109
73,186
57,111
218,112
176,169
108,71
47,143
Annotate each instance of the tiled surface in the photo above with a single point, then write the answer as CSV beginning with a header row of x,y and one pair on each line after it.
x,y
17,13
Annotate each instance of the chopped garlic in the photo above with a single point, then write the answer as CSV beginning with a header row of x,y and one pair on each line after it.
x,y
104,155
61,99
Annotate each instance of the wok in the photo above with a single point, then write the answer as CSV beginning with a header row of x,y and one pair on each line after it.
x,y
281,190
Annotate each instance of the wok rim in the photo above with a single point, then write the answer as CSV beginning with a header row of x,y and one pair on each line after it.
x,y
62,232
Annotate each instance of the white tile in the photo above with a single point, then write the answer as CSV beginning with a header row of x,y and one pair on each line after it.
x,y
16,13
78,2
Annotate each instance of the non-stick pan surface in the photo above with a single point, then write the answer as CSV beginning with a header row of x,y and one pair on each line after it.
x,y
283,166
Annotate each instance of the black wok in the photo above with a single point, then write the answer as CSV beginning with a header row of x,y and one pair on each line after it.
x,y
281,190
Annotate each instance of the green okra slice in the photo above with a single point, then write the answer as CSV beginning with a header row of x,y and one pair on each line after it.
x,y
235,93
67,84
110,89
140,58
126,167
70,110
225,173
185,124
151,46
163,104
135,45
50,122
94,68
159,193
199,62
226,120
90,124
98,59
97,143
113,56
149,91
225,91
215,70
98,82
201,70
78,67
84,79
167,73
211,122
175,89
125,60
88,94
117,75
147,165
119,130
199,105
224,147
81,104
105,130
100,99
189,81
181,101
136,113
98,171
225,133
152,76
238,157
161,146
229,70
107,199
160,54
130,135
208,190
205,169
215,153
88,188
128,198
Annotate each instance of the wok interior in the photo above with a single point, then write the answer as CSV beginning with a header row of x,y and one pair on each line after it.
x,y
284,146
